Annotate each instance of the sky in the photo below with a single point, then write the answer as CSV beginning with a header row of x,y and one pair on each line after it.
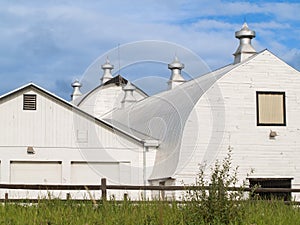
x,y
52,43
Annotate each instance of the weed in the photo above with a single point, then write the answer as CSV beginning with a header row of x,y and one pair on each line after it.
x,y
218,205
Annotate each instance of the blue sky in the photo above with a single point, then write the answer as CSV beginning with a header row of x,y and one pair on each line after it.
x,y
51,43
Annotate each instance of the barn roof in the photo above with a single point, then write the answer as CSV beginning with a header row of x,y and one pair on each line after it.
x,y
117,80
163,117
73,107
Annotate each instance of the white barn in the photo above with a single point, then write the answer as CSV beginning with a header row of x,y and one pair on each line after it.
x,y
116,131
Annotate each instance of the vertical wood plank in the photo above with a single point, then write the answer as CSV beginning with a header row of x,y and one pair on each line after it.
x,y
103,189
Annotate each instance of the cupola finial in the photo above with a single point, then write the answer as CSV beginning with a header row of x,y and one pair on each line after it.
x,y
128,95
107,68
176,78
245,49
76,90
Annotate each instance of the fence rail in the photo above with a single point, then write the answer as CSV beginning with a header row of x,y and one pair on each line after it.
x,y
104,187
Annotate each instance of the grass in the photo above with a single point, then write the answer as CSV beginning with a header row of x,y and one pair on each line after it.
x,y
59,212
271,212
71,212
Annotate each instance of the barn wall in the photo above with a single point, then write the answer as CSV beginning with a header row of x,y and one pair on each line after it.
x,y
104,99
225,118
59,134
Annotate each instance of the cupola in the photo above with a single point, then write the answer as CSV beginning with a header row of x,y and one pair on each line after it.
x,y
76,90
107,68
128,95
176,78
245,49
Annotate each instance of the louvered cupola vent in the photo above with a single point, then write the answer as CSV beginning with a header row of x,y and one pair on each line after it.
x,y
29,102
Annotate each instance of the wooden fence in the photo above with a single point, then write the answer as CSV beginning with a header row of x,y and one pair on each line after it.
x,y
103,187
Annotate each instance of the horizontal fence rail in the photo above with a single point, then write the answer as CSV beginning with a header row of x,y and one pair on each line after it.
x,y
104,187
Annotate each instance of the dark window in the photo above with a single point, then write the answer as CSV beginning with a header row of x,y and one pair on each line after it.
x,y
272,183
270,108
29,102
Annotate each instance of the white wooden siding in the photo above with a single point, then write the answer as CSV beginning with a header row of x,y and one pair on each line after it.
x,y
105,99
226,118
52,130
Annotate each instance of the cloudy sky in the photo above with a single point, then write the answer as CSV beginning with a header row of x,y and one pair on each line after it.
x,y
52,43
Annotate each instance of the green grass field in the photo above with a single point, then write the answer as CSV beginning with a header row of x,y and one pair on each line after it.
x,y
150,213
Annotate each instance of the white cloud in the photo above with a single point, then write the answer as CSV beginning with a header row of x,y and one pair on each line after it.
x,y
292,57
284,10
209,24
59,39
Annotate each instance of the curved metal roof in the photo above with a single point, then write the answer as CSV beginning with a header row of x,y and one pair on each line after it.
x,y
163,117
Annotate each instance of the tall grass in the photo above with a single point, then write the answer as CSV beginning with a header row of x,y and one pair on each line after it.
x,y
50,212
110,212
270,212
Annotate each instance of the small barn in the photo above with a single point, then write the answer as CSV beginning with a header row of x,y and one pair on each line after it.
x,y
47,140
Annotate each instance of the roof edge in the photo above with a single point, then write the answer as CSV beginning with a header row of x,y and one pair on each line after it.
x,y
65,102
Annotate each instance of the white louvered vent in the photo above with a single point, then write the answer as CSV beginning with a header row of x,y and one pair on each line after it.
x,y
29,102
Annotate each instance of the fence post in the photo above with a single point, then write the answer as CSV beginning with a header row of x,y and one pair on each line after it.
x,y
68,196
103,189
6,197
125,197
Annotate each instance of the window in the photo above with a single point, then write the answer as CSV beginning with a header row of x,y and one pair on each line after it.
x,y
29,102
270,108
272,183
